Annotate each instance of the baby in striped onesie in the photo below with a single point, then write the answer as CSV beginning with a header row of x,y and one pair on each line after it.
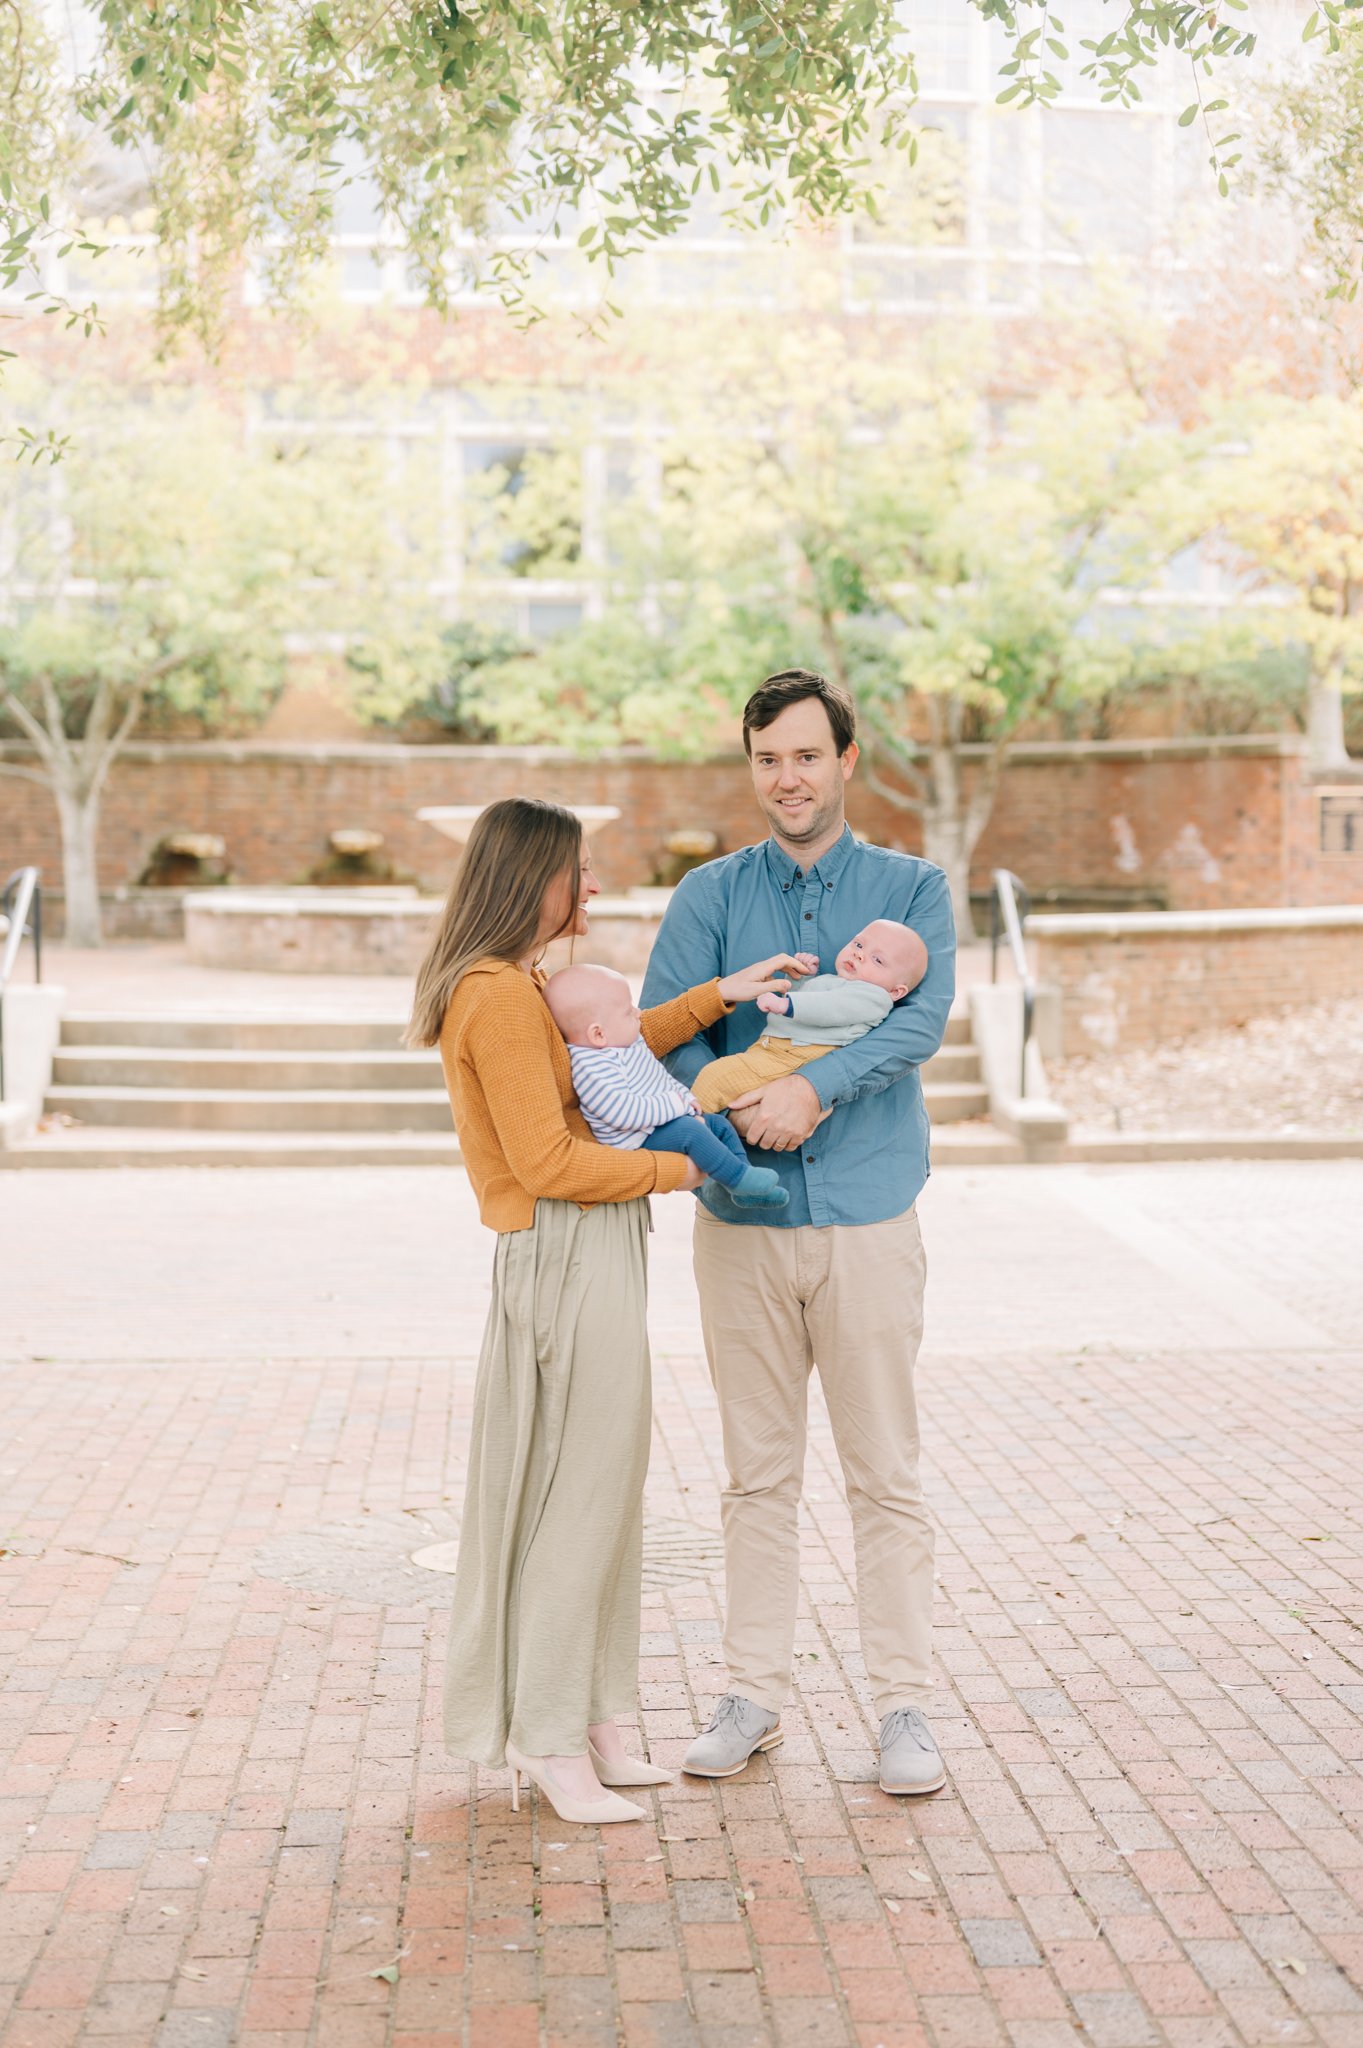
x,y
628,1097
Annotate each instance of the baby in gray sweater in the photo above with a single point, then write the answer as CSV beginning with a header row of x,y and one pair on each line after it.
x,y
873,970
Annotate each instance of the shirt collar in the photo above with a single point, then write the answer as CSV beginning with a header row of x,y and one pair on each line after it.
x,y
828,866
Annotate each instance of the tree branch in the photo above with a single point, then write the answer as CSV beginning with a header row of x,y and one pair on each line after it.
x,y
982,796
904,765
97,724
900,798
29,725
114,744
26,774
55,745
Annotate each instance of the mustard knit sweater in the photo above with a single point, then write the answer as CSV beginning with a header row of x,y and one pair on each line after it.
x,y
511,1089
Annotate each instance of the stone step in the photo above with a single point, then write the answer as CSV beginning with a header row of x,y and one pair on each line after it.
x,y
294,1031
974,1145
256,1109
114,1145
952,1063
247,1031
951,1101
131,1146
199,1067
334,1109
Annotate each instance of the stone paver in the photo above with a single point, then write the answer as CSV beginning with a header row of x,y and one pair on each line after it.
x,y
225,1813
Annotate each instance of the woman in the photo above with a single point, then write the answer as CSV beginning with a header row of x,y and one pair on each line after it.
x,y
544,1637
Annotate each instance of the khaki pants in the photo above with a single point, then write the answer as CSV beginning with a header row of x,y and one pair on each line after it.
x,y
849,1299
723,1081
544,1634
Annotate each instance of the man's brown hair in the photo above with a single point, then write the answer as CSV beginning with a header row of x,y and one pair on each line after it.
x,y
789,686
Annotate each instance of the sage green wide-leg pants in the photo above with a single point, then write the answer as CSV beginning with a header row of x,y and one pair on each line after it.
x,y
544,1637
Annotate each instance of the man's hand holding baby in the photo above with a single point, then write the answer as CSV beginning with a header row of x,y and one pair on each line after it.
x,y
780,1116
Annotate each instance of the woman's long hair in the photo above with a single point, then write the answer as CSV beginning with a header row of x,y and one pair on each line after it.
x,y
517,850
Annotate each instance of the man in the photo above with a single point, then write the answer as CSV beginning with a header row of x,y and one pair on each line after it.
x,y
835,1279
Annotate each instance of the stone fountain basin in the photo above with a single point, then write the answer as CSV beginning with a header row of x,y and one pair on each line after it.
x,y
377,931
456,821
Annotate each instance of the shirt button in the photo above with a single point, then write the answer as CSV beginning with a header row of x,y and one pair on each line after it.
x,y
809,1159
809,917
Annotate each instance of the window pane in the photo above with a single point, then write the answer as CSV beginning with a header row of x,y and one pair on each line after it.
x,y
545,619
1098,183
926,203
939,36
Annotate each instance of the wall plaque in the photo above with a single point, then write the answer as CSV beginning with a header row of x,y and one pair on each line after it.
x,y
1341,821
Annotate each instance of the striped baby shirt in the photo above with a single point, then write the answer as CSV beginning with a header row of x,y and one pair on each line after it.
x,y
625,1093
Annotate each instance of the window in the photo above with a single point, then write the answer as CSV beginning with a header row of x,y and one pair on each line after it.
x,y
939,34
1098,192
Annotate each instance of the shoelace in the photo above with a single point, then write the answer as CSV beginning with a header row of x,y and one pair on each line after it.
x,y
907,1721
729,1709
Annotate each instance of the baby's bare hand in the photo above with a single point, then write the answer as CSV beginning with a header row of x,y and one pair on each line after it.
x,y
764,977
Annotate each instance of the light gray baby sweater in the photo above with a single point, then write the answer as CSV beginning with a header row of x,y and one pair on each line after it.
x,y
826,1010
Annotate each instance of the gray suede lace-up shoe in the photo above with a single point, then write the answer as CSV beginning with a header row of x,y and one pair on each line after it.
x,y
910,1760
737,1731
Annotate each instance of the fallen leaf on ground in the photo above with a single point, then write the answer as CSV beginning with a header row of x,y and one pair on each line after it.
x,y
389,1973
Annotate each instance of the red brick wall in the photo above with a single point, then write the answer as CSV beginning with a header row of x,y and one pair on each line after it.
x,y
1196,829
1128,986
1196,825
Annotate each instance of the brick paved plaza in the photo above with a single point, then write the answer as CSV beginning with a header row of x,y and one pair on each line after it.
x,y
235,1403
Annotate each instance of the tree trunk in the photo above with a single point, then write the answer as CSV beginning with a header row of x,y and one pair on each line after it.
x,y
946,842
79,814
1325,726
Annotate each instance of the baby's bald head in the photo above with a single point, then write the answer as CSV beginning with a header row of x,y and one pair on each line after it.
x,y
592,1006
890,955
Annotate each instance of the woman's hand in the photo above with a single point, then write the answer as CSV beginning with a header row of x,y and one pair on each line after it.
x,y
766,977
694,1177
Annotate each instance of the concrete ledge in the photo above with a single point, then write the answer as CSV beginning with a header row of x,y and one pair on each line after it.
x,y
376,931
1039,1124
308,932
32,1025
1134,979
1058,927
1137,1147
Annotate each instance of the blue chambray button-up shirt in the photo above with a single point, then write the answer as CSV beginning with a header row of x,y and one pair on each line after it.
x,y
869,1160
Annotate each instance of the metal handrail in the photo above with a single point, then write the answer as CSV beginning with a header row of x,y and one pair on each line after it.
x,y
20,895
1009,908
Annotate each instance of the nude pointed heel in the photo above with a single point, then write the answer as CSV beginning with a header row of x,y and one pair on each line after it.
x,y
633,1771
515,1790
590,1812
